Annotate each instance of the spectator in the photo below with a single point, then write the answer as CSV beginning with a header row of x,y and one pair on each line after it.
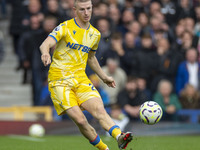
x,y
53,9
160,17
189,24
142,87
144,23
104,95
115,16
144,59
167,30
127,18
147,43
185,9
128,4
186,42
188,71
179,29
155,25
155,8
39,71
197,25
130,98
123,52
103,9
160,27
138,8
167,63
112,68
16,27
127,54
168,8
34,8
118,116
167,100
113,2
135,29
115,50
96,12
103,26
67,7
190,97
26,48
146,5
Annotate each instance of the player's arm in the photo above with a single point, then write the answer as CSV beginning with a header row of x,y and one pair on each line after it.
x,y
48,43
94,65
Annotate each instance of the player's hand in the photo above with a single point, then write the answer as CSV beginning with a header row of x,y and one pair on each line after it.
x,y
46,59
110,82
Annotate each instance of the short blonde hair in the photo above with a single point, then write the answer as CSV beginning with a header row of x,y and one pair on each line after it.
x,y
76,1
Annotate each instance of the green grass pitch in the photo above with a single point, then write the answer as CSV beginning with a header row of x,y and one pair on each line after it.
x,y
13,142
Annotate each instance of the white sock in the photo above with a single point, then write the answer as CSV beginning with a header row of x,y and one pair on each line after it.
x,y
117,137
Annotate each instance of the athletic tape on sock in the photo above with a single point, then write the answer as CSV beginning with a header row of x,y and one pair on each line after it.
x,y
112,128
95,141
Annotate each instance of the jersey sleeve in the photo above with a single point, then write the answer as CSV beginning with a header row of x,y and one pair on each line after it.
x,y
94,48
58,32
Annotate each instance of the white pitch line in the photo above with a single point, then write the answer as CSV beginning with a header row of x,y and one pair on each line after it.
x,y
27,138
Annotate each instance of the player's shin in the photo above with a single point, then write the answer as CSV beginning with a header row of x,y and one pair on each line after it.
x,y
98,143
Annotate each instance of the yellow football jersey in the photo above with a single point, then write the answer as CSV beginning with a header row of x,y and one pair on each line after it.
x,y
72,48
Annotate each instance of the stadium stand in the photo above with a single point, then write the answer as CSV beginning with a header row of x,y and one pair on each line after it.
x,y
20,111
146,22
191,113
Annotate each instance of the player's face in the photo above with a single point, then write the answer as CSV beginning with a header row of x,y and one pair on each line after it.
x,y
83,11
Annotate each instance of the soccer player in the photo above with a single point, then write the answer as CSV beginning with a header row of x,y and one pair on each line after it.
x,y
71,91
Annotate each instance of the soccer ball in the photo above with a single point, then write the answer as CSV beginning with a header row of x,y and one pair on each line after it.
x,y
150,112
36,130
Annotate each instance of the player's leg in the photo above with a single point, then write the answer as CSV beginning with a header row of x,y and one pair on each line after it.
x,y
79,119
90,100
85,128
65,101
96,108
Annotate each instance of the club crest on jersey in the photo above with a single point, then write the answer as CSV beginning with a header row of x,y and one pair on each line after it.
x,y
90,35
74,31
77,46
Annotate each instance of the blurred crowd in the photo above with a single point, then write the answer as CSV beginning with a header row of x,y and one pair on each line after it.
x,y
150,47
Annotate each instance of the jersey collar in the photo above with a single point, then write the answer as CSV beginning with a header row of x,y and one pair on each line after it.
x,y
79,25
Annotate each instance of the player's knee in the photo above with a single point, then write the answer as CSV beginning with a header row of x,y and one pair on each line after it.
x,y
81,121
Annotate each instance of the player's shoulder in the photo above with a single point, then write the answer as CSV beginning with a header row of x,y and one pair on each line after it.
x,y
60,26
69,24
70,21
66,23
95,30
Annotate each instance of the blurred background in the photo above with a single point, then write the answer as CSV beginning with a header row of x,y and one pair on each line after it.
x,y
150,47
